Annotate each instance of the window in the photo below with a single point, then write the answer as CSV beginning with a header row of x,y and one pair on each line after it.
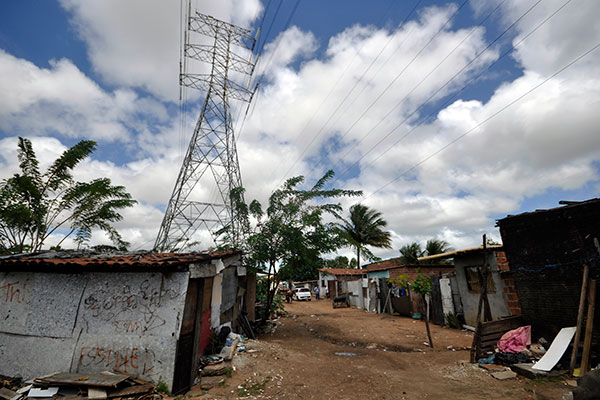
x,y
472,275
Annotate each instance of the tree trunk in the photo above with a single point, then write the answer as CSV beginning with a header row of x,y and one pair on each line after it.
x,y
358,257
270,293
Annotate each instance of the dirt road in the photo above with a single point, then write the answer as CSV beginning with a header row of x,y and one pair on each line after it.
x,y
318,352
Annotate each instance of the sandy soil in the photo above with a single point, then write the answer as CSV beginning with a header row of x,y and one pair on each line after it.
x,y
378,357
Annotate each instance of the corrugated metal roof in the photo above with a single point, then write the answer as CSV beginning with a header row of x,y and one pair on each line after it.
x,y
563,205
451,254
343,271
89,259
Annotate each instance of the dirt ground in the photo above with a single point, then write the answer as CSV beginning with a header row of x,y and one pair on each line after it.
x,y
317,352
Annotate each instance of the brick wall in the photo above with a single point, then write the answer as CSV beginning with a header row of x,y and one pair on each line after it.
x,y
510,290
412,273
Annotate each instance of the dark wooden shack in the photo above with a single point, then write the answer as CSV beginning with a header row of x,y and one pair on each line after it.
x,y
546,251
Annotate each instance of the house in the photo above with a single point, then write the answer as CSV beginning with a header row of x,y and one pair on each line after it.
x,y
343,280
378,274
145,314
502,300
547,251
310,285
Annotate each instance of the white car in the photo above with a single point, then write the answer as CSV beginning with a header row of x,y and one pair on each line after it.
x,y
302,294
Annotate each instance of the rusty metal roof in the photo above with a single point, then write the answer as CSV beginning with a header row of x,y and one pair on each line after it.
x,y
343,271
89,260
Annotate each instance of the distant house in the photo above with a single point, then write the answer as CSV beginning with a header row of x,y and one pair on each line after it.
x,y
305,284
149,315
502,297
378,274
343,280
546,250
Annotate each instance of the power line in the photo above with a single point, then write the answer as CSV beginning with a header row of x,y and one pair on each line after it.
x,y
447,102
257,52
408,117
567,66
351,90
262,75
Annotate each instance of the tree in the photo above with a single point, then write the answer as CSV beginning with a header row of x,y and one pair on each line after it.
x,y
340,262
35,205
290,235
365,228
422,285
410,253
437,246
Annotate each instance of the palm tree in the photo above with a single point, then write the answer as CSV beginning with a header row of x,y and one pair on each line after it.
x,y
437,246
410,253
365,228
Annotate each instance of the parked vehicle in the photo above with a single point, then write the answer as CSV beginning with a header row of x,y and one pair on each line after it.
x,y
302,294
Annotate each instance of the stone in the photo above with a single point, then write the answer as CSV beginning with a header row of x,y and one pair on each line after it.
x,y
493,367
215,369
525,370
503,375
209,382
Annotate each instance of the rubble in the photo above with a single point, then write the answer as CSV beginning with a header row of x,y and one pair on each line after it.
x,y
74,386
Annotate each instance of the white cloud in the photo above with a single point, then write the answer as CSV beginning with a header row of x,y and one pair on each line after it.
x,y
61,99
136,43
546,141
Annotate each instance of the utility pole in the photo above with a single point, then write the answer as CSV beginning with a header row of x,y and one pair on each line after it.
x,y
210,169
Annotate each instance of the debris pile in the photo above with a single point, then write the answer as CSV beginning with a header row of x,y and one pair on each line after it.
x,y
214,368
73,386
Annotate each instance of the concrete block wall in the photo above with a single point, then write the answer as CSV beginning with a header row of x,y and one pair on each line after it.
x,y
90,322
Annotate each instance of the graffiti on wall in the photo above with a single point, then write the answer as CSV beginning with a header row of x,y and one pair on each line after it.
x,y
13,292
131,308
126,360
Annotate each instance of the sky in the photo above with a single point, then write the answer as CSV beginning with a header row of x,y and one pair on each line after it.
x,y
447,115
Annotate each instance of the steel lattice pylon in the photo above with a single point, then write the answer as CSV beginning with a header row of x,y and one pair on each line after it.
x,y
211,154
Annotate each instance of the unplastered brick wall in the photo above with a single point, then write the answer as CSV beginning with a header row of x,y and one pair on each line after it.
x,y
510,291
512,299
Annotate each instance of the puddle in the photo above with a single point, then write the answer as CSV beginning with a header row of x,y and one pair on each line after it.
x,y
344,354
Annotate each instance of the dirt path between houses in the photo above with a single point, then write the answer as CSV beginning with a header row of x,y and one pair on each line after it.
x,y
379,357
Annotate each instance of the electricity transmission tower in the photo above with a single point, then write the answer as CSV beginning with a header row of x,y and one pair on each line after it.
x,y
210,167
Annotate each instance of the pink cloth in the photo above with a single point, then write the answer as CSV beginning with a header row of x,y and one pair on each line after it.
x,y
515,340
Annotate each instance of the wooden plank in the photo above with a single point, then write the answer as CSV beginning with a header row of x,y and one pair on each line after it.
x,y
589,325
96,393
582,295
502,325
189,310
66,378
130,391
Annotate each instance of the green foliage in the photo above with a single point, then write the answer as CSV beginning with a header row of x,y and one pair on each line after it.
x,y
452,320
252,389
410,253
421,284
262,296
35,205
365,227
340,262
162,387
290,233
